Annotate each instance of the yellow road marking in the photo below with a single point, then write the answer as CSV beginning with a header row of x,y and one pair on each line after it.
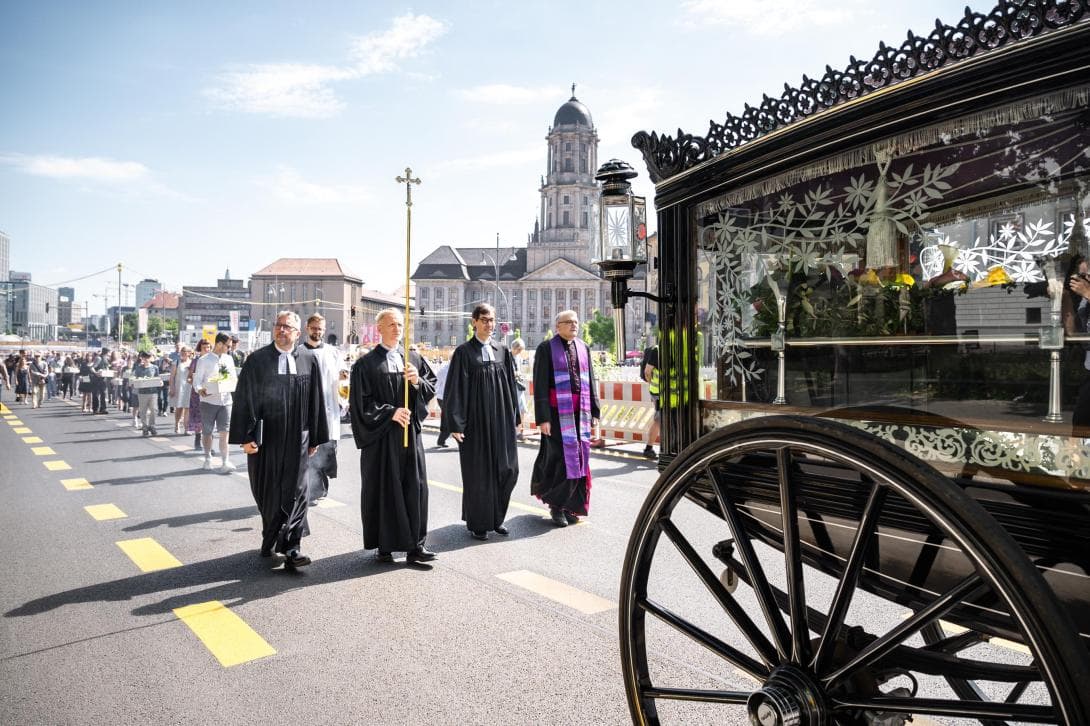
x,y
43,451
56,465
22,430
225,634
14,422
105,511
517,505
328,503
160,439
179,447
32,439
148,555
585,602
75,484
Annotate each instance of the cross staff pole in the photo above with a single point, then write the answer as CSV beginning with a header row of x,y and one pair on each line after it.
x,y
408,181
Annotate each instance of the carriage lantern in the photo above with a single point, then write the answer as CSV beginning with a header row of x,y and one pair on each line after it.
x,y
622,238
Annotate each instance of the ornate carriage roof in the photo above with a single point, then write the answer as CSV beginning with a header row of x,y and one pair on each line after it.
x,y
1011,21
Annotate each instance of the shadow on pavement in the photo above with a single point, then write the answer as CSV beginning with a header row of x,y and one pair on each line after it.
x,y
195,470
223,515
142,457
233,580
455,536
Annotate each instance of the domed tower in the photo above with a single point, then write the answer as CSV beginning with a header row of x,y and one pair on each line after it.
x,y
569,193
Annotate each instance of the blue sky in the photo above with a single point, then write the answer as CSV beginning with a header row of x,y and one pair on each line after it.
x,y
181,139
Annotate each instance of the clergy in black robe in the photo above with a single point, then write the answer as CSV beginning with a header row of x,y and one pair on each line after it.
x,y
279,418
480,406
566,410
393,477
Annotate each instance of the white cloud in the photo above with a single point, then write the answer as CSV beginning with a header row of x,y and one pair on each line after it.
x,y
280,89
500,93
513,157
92,168
758,17
287,185
302,90
406,38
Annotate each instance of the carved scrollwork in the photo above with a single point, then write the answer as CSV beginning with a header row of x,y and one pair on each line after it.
x,y
1009,22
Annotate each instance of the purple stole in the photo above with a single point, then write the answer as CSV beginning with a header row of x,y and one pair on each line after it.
x,y
576,441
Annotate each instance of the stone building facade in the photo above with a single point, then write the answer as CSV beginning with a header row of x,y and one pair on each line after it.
x,y
200,306
553,272
306,286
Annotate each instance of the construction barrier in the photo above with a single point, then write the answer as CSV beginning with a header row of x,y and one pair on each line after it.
x,y
627,409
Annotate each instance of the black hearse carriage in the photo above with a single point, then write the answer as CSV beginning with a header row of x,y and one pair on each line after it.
x,y
872,490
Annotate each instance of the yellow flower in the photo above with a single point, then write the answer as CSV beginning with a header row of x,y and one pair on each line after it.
x,y
996,276
870,278
905,279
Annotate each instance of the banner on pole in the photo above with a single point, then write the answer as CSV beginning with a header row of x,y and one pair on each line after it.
x,y
142,321
234,321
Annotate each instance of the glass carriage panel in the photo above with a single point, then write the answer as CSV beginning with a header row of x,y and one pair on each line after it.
x,y
916,287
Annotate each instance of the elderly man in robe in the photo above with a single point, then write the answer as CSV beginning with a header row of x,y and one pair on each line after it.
x,y
394,479
566,408
279,418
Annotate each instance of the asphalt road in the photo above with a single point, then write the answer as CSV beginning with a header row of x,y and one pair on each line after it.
x,y
519,630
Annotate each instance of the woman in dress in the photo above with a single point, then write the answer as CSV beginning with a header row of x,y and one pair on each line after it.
x,y
85,382
22,381
180,389
194,426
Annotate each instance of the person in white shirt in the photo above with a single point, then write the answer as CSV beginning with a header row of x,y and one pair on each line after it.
x,y
323,465
215,407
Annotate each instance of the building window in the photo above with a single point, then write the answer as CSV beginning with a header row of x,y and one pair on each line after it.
x,y
550,222
583,149
531,296
545,312
588,298
423,324
575,296
585,221
567,146
423,293
567,218
583,164
568,164
560,298
567,199
546,296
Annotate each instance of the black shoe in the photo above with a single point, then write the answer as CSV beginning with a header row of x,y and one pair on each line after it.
x,y
442,445
558,517
421,554
502,530
266,552
572,518
649,452
295,558
384,557
479,534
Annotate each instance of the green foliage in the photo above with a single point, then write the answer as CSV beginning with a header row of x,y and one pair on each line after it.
x,y
600,328
144,344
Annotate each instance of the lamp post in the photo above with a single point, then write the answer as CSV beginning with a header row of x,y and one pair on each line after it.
x,y
120,320
495,260
622,234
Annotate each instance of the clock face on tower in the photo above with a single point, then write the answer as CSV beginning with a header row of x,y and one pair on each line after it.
x,y
618,225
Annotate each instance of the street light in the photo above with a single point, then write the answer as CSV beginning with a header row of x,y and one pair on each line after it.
x,y
495,260
622,236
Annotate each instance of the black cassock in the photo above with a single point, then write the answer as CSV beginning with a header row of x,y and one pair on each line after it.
x,y
393,479
292,413
549,481
481,401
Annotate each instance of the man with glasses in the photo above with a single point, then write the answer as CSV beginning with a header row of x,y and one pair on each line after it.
x,y
481,410
566,408
279,418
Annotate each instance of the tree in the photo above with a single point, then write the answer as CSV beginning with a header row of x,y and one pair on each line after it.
x,y
600,329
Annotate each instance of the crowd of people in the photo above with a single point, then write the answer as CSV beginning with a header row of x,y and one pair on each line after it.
x,y
285,402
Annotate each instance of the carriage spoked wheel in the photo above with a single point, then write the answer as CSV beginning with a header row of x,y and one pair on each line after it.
x,y
788,570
